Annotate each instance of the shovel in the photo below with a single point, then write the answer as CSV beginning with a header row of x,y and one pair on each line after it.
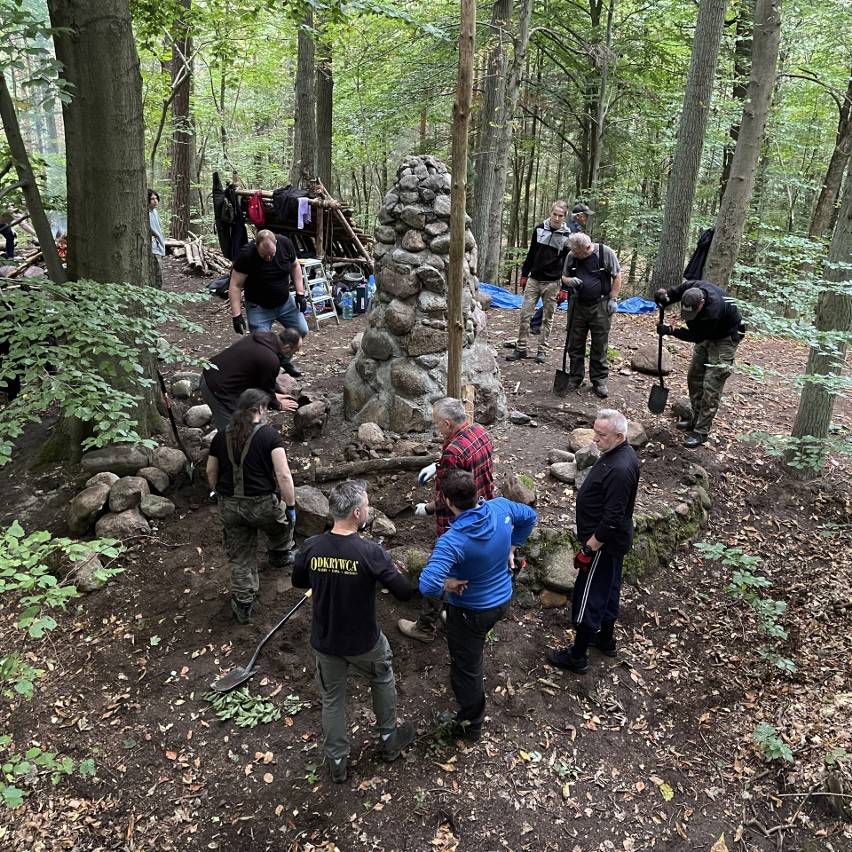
x,y
190,465
659,393
240,675
562,379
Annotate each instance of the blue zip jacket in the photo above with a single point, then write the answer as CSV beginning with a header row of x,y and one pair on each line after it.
x,y
476,548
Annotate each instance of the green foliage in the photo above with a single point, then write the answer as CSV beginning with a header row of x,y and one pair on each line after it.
x,y
771,745
293,705
28,582
22,770
69,346
837,756
246,710
805,453
745,586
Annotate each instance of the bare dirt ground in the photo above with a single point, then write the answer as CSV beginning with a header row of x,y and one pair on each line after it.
x,y
649,751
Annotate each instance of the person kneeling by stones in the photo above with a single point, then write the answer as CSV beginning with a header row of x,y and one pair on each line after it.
x,y
248,469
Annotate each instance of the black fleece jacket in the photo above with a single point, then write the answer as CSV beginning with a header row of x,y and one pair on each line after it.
x,y
718,319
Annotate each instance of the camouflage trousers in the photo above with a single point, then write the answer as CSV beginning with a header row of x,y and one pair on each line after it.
x,y
242,517
548,292
712,363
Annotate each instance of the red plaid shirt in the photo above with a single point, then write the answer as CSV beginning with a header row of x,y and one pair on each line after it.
x,y
469,449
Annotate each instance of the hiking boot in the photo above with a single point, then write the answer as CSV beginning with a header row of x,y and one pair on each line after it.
x,y
694,440
606,647
601,390
414,630
278,559
685,425
242,610
466,729
517,355
541,357
337,769
562,658
401,738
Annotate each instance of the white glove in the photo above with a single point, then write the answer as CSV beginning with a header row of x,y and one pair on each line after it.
x,y
427,473
420,510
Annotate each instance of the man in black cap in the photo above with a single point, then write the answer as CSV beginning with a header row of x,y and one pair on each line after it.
x,y
715,326
579,214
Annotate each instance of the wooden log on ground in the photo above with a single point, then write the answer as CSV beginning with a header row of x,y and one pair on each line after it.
x,y
360,468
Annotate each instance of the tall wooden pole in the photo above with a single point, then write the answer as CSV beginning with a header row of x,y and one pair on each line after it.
x,y
458,196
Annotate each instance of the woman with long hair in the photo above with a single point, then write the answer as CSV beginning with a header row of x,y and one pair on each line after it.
x,y
248,469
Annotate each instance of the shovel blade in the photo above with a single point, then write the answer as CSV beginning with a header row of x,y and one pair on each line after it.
x,y
561,383
657,399
232,680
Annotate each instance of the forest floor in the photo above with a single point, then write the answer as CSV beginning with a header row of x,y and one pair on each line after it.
x,y
653,750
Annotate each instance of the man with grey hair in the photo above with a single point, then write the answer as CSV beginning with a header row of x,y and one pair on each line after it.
x,y
263,271
540,278
593,275
467,446
342,569
604,516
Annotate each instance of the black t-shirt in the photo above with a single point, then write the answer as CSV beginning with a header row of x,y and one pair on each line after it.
x,y
258,470
267,281
343,571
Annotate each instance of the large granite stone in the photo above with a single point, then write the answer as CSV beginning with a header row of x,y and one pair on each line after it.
x,y
426,340
86,507
120,459
399,317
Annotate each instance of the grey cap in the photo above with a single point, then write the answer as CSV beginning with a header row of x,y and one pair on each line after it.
x,y
691,303
581,208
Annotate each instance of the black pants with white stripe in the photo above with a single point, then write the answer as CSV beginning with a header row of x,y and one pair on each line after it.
x,y
597,592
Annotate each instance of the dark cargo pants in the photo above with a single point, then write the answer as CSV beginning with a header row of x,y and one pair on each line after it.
x,y
712,363
242,517
584,320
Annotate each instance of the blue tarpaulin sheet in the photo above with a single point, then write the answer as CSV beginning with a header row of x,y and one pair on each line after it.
x,y
502,298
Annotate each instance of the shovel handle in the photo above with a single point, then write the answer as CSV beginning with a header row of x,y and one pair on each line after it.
x,y
660,348
277,627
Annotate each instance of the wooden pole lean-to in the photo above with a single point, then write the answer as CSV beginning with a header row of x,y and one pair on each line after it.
x,y
458,196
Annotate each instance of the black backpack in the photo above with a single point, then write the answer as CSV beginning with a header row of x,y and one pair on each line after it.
x,y
603,272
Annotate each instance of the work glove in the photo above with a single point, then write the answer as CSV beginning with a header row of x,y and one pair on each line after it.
x,y
663,329
291,515
239,324
661,297
523,281
612,306
574,285
583,560
420,510
302,302
427,473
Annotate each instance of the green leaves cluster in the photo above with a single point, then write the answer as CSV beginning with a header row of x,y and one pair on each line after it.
x,y
745,586
81,347
245,709
24,769
771,745
28,583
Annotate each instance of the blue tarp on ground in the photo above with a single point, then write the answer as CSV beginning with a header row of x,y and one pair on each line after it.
x,y
502,298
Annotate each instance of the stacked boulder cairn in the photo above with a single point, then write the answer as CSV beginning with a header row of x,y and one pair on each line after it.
x,y
400,369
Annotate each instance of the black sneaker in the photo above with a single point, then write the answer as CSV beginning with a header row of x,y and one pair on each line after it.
x,y
289,368
241,610
401,738
563,659
601,390
694,440
685,425
609,649
337,770
541,357
517,355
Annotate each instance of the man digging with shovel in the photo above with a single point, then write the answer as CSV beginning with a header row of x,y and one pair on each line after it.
x,y
715,326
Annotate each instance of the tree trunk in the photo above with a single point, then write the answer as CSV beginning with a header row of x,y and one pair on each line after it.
x,y
668,267
29,187
183,137
739,89
304,165
824,209
108,238
504,142
833,314
325,113
493,105
458,191
733,210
